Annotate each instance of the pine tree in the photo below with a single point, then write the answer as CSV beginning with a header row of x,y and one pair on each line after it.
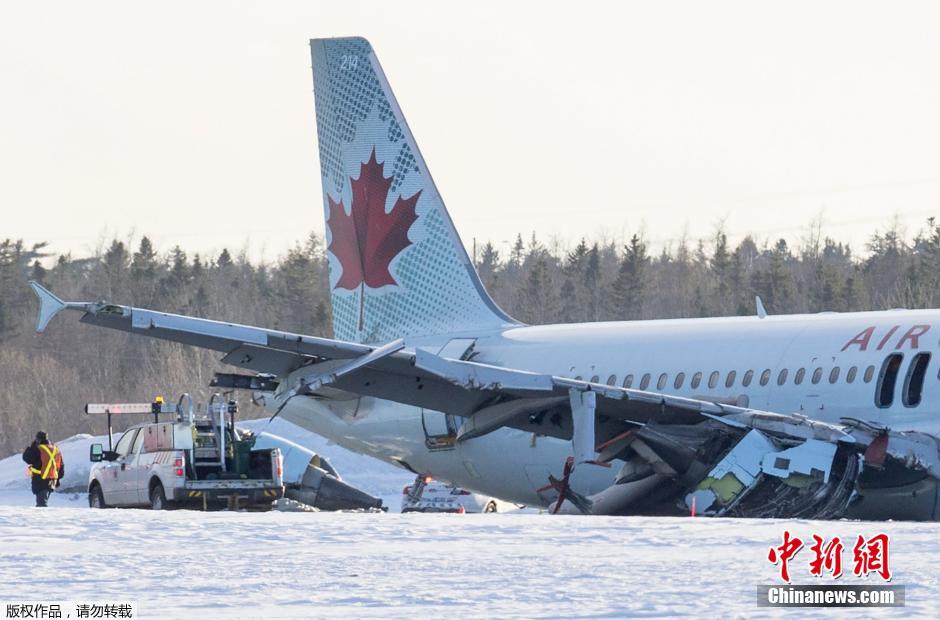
x,y
143,272
720,267
537,297
518,251
224,260
885,266
592,278
853,291
740,276
775,283
570,306
144,263
115,259
38,272
115,262
629,288
924,272
198,271
489,267
179,275
575,260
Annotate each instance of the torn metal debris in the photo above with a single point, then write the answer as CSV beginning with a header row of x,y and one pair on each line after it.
x,y
758,464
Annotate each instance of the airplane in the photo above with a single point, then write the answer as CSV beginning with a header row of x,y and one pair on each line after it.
x,y
764,415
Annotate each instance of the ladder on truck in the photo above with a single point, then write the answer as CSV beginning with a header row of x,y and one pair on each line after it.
x,y
211,443
208,426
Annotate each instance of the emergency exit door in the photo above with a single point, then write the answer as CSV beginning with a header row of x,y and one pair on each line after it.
x,y
440,429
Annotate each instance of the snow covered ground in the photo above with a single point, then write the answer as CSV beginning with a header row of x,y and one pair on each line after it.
x,y
180,564
263,565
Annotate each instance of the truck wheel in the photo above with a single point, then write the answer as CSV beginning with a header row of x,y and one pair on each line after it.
x,y
158,498
491,507
96,497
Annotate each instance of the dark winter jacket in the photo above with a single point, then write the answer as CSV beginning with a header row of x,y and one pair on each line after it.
x,y
33,458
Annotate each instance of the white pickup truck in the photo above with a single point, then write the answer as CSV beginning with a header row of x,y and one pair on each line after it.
x,y
197,462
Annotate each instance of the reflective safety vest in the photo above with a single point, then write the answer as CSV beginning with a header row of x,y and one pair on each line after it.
x,y
51,462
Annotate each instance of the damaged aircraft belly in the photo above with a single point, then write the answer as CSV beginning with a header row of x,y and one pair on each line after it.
x,y
681,455
677,455
758,464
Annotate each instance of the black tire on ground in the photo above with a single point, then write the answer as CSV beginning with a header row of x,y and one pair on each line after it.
x,y
158,497
96,497
490,507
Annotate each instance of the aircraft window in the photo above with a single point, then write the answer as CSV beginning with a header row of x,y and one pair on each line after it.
x,y
746,381
696,380
914,382
645,381
680,378
850,375
124,443
884,393
730,380
713,379
628,381
798,377
595,379
662,381
765,377
834,375
817,375
612,380
869,373
782,377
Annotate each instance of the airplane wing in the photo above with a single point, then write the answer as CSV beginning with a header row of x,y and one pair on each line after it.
x,y
489,396
452,386
726,459
253,348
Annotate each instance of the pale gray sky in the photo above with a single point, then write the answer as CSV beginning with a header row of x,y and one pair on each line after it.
x,y
193,122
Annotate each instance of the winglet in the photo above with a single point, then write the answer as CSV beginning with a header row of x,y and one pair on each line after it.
x,y
49,305
761,311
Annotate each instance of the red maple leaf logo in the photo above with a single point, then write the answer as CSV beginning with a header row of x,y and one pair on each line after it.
x,y
367,240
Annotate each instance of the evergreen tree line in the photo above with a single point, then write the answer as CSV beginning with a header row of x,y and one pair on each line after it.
x,y
610,281
45,379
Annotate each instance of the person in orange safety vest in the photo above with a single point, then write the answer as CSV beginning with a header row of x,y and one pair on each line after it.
x,y
45,467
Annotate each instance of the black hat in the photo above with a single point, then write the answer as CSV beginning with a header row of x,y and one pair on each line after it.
x,y
41,436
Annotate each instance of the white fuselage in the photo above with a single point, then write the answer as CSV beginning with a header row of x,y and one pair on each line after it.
x,y
512,464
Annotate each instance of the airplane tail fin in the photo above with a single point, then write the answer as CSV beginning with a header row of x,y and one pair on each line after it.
x,y
397,265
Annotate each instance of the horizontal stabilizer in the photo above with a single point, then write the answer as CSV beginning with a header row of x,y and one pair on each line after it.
x,y
49,305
